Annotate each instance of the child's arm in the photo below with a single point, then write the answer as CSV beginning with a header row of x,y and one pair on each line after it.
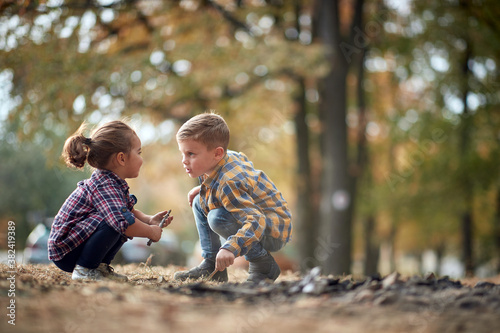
x,y
141,216
152,220
140,229
193,193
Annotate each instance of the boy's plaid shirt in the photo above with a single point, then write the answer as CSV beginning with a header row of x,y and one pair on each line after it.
x,y
251,197
102,198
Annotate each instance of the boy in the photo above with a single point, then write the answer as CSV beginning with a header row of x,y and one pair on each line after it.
x,y
234,201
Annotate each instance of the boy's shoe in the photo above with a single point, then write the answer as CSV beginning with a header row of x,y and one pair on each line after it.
x,y
109,273
202,270
88,274
263,268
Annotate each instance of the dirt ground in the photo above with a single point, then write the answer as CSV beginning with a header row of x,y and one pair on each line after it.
x,y
47,300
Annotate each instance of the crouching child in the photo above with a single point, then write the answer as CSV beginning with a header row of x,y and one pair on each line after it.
x,y
233,201
99,216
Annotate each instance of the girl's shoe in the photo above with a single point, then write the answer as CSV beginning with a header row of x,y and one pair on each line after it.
x,y
88,274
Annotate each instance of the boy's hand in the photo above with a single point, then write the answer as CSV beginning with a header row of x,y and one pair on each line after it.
x,y
194,192
156,219
155,233
224,259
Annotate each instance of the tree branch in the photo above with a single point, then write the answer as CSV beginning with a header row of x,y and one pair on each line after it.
x,y
233,20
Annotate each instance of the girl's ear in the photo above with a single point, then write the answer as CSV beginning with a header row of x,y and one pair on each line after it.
x,y
120,158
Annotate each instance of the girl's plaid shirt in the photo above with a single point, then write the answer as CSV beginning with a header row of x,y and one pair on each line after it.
x,y
102,198
251,197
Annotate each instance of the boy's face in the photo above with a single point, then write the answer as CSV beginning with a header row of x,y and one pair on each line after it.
x,y
197,159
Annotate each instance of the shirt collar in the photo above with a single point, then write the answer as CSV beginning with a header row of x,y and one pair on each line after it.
x,y
110,174
206,180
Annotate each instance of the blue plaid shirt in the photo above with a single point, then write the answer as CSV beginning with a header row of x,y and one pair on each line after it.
x,y
251,197
103,197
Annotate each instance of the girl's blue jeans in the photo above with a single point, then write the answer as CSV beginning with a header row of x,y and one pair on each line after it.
x,y
101,247
220,223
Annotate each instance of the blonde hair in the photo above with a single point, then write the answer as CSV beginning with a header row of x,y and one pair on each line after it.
x,y
208,128
111,138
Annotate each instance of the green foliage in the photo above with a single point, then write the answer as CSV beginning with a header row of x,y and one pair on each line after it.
x,y
29,184
441,153
113,66
31,190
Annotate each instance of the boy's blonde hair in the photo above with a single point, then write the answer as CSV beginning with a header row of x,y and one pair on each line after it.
x,y
208,128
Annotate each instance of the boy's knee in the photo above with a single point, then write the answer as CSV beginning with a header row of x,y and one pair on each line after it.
x,y
215,223
222,222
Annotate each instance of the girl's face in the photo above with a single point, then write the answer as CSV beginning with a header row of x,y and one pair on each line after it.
x,y
133,160
197,159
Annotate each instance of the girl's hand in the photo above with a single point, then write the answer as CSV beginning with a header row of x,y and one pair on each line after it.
x,y
156,219
193,193
155,233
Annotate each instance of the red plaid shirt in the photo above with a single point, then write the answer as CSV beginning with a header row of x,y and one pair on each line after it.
x,y
103,197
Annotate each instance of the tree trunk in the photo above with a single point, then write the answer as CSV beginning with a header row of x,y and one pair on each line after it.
x,y
467,243
335,242
371,248
467,187
440,249
392,242
371,244
394,215
305,216
337,193
496,229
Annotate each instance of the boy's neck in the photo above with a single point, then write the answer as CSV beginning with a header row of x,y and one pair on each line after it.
x,y
219,164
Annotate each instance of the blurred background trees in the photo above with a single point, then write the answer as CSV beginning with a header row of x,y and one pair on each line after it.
x,y
377,119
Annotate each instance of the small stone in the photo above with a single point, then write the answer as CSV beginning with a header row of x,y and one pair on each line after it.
x,y
372,285
469,303
390,280
484,284
445,282
315,287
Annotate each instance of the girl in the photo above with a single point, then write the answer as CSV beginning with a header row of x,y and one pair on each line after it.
x,y
96,219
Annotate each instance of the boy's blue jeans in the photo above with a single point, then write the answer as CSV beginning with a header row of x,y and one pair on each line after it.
x,y
219,222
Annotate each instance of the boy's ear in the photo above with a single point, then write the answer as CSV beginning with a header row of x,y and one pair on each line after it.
x,y
219,152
